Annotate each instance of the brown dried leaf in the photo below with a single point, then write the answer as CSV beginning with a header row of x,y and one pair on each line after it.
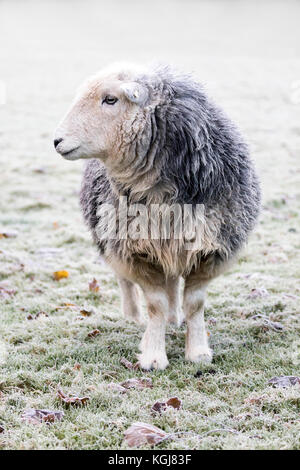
x,y
35,416
140,384
1,429
269,324
94,286
72,400
161,406
129,365
86,313
8,235
5,292
142,433
174,402
77,366
37,315
94,333
58,275
284,381
41,314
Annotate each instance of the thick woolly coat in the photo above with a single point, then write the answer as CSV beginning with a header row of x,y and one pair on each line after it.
x,y
186,151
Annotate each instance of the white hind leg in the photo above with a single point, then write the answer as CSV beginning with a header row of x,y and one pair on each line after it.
x,y
196,347
175,314
130,301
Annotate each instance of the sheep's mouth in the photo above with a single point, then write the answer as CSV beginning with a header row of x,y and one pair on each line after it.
x,y
69,152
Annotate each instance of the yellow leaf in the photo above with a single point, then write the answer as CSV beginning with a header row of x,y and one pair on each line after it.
x,y
60,275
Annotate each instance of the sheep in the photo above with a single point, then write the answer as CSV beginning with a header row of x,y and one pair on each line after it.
x,y
154,138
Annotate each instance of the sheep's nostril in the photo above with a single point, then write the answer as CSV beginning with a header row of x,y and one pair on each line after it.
x,y
57,141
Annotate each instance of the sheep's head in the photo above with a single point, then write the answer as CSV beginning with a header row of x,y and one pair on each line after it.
x,y
107,111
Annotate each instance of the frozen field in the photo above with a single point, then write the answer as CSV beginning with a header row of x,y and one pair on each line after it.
x,y
248,55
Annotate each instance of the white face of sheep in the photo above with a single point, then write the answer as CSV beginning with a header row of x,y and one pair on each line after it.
x,y
102,110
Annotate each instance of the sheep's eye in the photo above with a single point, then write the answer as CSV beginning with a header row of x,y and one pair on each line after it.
x,y
110,100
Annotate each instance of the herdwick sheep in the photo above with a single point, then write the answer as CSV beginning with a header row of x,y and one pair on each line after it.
x,y
154,138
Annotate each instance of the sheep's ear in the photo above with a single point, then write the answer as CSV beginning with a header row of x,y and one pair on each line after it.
x,y
135,92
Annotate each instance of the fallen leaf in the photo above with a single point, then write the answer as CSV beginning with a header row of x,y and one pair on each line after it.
x,y
86,313
94,333
94,286
35,416
140,384
142,433
284,381
258,292
37,315
77,366
161,406
174,402
67,306
58,275
199,373
5,292
41,314
8,234
1,429
128,364
273,325
71,400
